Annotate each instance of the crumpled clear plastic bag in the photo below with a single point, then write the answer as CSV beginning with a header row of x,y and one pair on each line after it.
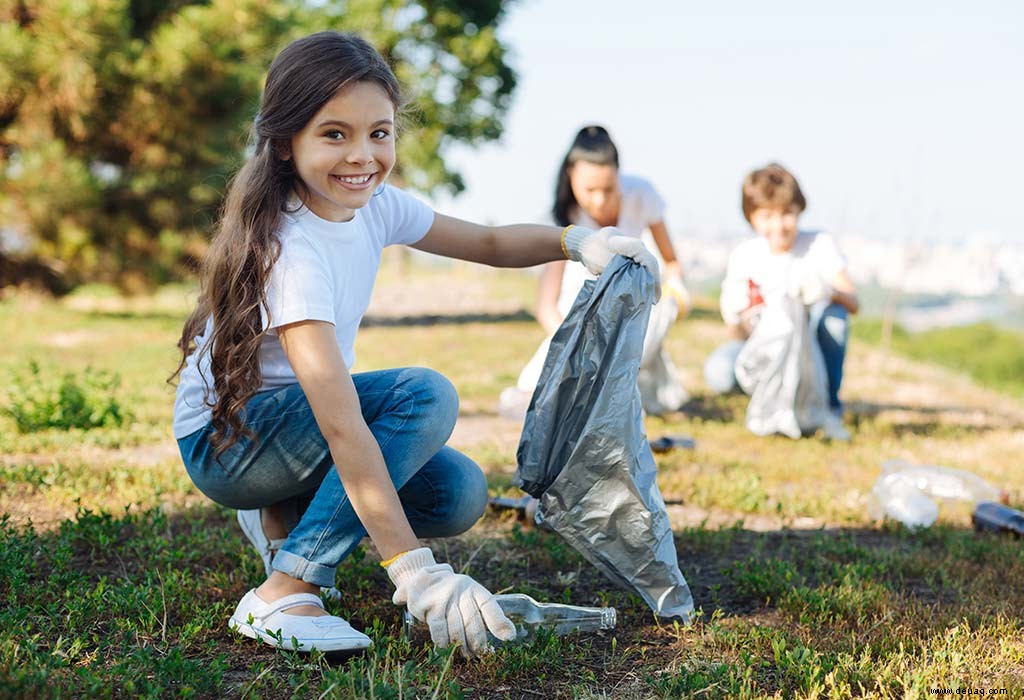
x,y
584,451
781,368
905,492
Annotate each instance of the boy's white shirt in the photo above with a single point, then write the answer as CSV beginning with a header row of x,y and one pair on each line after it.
x,y
814,256
641,206
326,273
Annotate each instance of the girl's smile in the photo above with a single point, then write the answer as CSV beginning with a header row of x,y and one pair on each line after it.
x,y
353,182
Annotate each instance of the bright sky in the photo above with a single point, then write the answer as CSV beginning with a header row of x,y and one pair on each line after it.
x,y
899,119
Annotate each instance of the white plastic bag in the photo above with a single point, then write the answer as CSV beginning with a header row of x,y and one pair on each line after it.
x,y
781,368
905,492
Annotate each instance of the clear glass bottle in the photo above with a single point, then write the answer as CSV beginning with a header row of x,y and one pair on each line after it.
x,y
529,616
525,507
667,443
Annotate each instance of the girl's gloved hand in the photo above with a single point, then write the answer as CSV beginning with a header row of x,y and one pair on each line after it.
x,y
595,249
455,607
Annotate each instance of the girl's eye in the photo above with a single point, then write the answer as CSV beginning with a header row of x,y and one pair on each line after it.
x,y
380,134
334,135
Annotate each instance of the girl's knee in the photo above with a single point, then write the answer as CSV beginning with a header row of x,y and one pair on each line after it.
x,y
469,507
461,501
433,388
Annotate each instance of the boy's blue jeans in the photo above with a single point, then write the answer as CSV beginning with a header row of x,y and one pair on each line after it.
x,y
411,412
833,332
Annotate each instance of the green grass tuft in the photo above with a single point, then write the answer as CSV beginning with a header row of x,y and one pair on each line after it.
x,y
41,401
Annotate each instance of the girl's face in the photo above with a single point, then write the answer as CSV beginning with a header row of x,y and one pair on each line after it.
x,y
596,189
346,151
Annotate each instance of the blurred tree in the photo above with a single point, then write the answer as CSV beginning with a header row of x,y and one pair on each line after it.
x,y
121,120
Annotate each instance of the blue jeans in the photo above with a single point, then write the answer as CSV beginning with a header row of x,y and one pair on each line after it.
x,y
833,332
411,412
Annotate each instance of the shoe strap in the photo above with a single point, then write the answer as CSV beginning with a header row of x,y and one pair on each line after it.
x,y
288,602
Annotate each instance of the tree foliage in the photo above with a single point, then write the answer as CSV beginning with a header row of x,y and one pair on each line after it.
x,y
121,120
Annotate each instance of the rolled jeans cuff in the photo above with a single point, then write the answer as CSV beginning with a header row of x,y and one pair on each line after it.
x,y
304,570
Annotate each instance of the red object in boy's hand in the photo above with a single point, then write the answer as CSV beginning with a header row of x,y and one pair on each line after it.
x,y
754,294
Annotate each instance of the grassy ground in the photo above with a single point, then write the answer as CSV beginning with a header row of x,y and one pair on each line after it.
x,y
117,577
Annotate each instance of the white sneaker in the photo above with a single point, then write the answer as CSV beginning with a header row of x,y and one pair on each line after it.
x,y
251,522
257,619
252,525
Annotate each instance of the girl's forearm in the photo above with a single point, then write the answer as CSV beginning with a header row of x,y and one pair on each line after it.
x,y
360,464
526,245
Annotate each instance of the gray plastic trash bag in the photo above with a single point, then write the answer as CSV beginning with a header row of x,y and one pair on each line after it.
x,y
781,368
584,451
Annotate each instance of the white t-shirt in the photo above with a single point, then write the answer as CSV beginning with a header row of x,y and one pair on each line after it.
x,y
640,207
326,273
752,262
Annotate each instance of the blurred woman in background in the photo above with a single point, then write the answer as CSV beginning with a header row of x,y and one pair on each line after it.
x,y
591,191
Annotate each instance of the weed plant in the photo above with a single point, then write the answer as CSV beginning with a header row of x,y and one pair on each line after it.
x,y
38,400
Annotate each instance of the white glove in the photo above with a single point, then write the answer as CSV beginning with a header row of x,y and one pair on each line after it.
x,y
454,606
678,291
595,249
814,289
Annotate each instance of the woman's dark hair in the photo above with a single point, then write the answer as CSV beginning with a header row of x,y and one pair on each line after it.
x,y
593,145
303,77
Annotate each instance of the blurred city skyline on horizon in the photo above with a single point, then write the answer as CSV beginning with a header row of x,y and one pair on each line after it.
x,y
897,125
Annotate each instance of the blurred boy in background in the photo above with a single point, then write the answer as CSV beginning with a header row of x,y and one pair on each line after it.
x,y
783,260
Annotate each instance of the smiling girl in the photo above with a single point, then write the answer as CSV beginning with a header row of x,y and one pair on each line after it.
x,y
269,417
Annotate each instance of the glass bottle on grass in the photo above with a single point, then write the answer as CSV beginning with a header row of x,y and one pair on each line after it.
x,y
995,517
529,617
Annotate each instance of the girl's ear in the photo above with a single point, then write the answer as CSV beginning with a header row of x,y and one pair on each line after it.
x,y
284,152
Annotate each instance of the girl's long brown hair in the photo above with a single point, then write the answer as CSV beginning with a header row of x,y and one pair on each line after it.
x,y
234,274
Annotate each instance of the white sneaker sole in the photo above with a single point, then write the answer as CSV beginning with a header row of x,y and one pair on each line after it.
x,y
301,645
